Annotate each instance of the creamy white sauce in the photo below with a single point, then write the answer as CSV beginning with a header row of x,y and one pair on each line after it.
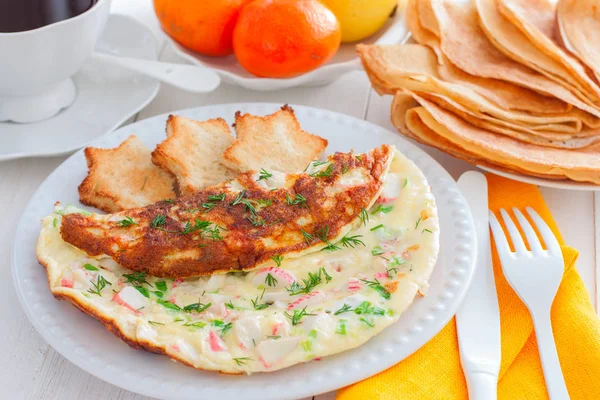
x,y
253,321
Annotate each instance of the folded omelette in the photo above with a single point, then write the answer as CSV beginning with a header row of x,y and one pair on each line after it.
x,y
330,286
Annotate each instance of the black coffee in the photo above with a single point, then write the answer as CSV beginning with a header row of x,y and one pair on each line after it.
x,y
24,15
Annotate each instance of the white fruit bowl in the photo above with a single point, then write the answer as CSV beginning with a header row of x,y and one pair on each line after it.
x,y
345,60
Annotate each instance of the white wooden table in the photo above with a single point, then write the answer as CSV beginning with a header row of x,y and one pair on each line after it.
x,y
30,369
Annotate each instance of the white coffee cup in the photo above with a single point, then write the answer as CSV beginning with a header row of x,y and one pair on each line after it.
x,y
36,66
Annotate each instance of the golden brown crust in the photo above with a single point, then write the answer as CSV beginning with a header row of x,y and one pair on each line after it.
x,y
166,252
123,177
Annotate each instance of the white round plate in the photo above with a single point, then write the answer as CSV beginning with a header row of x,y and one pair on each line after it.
x,y
106,97
565,184
87,344
345,60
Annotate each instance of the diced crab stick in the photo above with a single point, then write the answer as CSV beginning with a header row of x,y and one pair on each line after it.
x,y
276,328
319,320
186,349
353,284
385,200
271,351
247,331
177,282
307,299
129,297
218,303
110,265
381,275
67,280
215,342
81,277
215,282
388,245
280,277
280,303
274,296
264,363
406,255
391,189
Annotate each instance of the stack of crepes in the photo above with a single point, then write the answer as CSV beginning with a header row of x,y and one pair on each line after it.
x,y
510,84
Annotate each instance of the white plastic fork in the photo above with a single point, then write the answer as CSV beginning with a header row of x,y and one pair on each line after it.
x,y
535,276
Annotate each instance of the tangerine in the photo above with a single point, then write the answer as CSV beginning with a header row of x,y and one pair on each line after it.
x,y
285,38
205,27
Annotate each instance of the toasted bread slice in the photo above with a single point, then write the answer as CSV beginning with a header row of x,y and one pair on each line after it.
x,y
274,142
193,152
123,178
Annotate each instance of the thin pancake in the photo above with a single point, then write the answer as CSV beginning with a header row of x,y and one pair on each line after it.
x,y
466,46
512,42
579,25
420,132
506,95
427,18
576,165
238,225
459,109
499,126
537,20
420,34
414,67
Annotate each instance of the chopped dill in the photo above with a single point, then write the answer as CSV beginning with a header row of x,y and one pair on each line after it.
x,y
307,236
364,216
297,316
127,221
98,285
278,259
351,241
264,174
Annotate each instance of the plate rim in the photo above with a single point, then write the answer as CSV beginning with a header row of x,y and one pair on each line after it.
x,y
468,248
118,122
562,184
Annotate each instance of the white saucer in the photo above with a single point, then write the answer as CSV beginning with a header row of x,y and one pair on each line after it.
x,y
106,97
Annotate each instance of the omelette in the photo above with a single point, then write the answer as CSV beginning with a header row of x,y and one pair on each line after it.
x,y
238,225
334,296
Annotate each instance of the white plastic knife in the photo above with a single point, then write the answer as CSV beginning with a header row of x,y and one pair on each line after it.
x,y
478,318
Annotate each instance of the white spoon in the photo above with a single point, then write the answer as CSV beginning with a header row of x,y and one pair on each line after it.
x,y
191,78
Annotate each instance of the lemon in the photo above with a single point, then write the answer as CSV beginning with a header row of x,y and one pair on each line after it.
x,y
360,18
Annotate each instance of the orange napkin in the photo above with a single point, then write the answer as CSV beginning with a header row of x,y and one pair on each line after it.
x,y
434,372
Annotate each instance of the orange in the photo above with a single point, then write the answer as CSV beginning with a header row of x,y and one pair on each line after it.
x,y
285,38
205,27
